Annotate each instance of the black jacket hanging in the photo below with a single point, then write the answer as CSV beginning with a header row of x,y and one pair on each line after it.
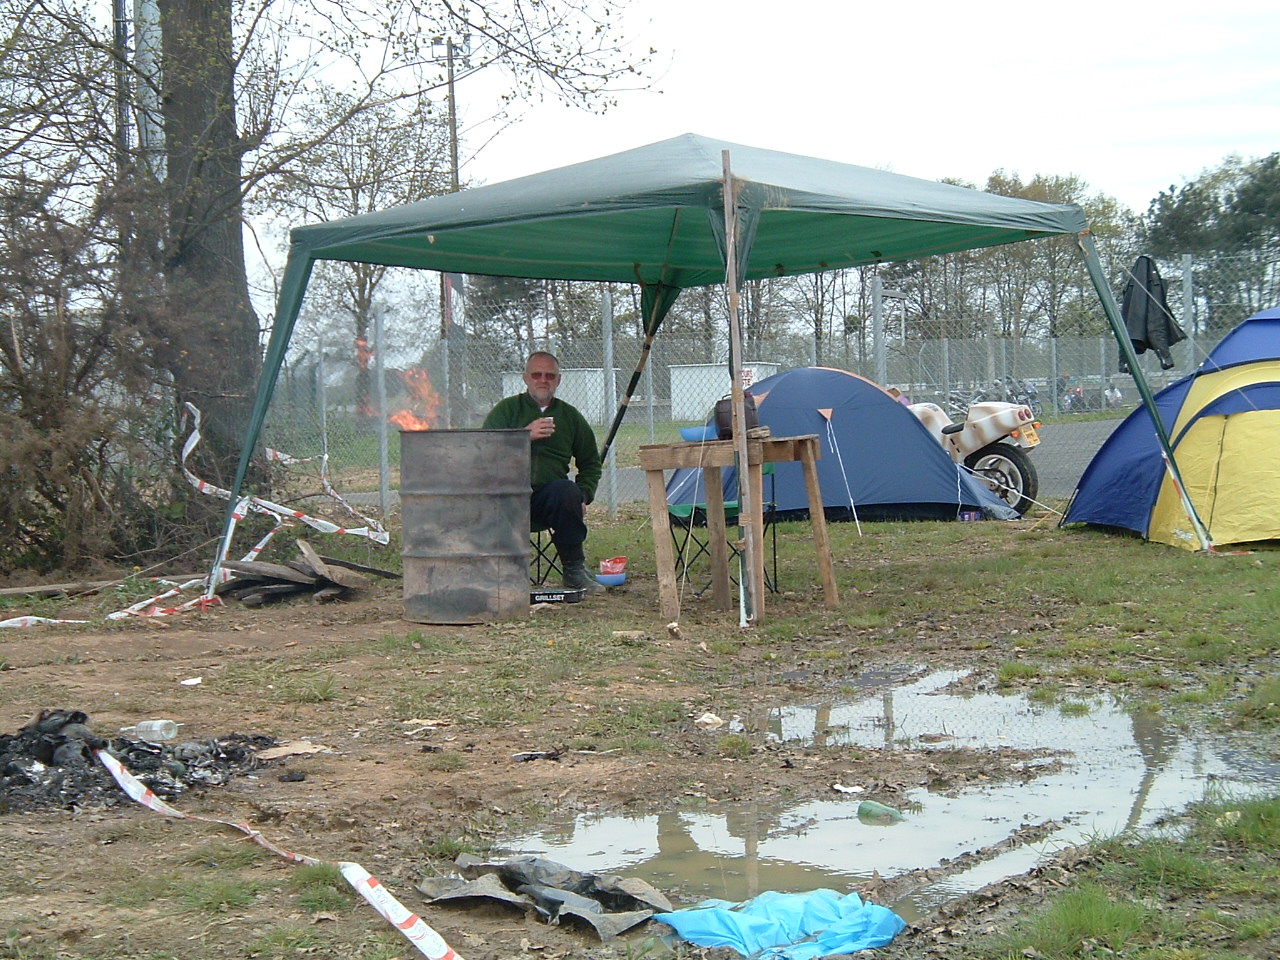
x,y
1147,316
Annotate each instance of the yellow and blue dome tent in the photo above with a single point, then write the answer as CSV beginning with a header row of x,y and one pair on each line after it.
x,y
1223,423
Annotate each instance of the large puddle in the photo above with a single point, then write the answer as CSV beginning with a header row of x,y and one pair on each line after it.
x,y
1118,770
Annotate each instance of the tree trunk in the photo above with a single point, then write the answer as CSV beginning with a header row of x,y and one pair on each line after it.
x,y
212,347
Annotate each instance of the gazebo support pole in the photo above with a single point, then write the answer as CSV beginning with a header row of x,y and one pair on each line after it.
x,y
747,584
1093,264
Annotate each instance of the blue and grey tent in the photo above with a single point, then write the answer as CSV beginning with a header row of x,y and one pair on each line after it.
x,y
878,461
1223,421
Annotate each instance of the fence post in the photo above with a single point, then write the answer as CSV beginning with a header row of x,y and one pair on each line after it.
x,y
384,470
648,392
446,308
610,395
877,329
323,400
1053,375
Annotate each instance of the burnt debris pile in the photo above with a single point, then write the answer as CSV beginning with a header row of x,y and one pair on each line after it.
x,y
50,763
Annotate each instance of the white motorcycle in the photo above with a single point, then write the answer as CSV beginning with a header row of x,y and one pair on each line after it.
x,y
990,443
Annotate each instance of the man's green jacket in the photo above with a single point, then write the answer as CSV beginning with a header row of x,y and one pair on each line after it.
x,y
549,458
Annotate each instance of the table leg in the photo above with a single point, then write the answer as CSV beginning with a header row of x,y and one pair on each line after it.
x,y
664,554
818,518
717,543
755,476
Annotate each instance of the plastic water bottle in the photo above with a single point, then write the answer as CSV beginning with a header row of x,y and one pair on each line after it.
x,y
153,730
870,811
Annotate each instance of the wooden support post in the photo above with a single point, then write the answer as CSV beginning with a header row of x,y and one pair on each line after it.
x,y
717,544
818,518
663,553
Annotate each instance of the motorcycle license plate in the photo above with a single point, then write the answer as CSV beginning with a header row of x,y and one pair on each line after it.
x,y
1029,435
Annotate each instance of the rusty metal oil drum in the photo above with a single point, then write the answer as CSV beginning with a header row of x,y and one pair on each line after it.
x,y
464,500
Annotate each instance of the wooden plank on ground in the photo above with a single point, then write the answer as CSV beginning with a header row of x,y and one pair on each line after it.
x,y
338,575
352,565
273,571
92,586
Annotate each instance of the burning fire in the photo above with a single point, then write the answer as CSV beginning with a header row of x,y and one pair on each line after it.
x,y
424,402
364,353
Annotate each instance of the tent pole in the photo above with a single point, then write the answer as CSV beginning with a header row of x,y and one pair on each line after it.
x,y
747,585
297,270
1109,306
650,331
655,301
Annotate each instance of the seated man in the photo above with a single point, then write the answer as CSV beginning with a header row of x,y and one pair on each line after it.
x,y
558,433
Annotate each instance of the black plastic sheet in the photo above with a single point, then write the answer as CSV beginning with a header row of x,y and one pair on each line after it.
x,y
608,904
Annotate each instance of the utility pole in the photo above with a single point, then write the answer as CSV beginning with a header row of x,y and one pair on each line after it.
x,y
120,43
453,120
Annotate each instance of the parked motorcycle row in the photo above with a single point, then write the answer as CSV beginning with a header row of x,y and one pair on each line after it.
x,y
1009,390
1069,395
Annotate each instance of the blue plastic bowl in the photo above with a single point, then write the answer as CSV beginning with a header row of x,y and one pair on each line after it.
x,y
612,579
698,434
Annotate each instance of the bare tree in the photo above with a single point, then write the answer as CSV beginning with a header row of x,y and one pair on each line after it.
x,y
74,382
168,287
390,153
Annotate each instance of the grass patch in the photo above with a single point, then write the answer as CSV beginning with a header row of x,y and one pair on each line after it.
x,y
1262,705
1207,892
214,895
448,762
1013,672
141,890
1087,915
450,848
320,888
415,641
734,745
225,854
290,940
632,727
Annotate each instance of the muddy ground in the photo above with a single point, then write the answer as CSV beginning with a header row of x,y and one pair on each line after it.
x,y
399,785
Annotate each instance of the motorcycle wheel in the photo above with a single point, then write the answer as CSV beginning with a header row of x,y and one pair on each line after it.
x,y
1008,472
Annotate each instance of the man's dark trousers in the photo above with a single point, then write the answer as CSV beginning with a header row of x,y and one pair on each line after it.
x,y
557,506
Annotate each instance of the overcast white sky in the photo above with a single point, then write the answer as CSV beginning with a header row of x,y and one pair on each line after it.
x,y
1131,97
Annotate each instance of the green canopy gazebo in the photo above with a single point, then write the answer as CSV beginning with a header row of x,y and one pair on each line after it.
x,y
657,216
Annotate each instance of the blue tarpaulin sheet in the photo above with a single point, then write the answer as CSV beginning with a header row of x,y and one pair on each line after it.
x,y
789,926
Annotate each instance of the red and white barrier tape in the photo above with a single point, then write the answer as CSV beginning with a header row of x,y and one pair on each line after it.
x,y
428,943
151,606
372,529
32,621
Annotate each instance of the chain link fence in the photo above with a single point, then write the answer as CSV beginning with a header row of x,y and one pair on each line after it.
x,y
345,397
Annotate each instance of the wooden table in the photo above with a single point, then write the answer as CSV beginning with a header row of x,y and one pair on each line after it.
x,y
711,457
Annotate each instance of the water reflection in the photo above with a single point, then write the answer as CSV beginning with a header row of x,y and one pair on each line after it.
x,y
1122,770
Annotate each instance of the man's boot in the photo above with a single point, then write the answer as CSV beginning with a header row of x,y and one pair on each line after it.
x,y
578,577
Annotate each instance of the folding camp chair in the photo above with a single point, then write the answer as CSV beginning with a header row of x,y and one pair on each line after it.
x,y
543,559
689,536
